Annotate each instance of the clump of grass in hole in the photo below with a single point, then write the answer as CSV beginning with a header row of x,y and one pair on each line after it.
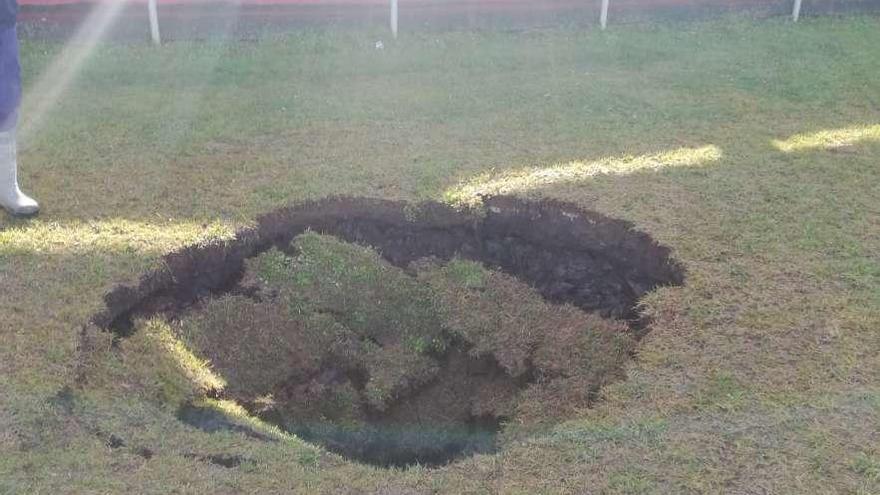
x,y
371,297
250,343
339,335
567,353
332,305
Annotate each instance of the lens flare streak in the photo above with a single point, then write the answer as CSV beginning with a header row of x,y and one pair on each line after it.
x,y
54,82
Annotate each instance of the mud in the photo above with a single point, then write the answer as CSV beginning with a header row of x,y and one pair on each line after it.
x,y
567,255
115,442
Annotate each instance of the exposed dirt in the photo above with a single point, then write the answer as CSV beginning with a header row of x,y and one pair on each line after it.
x,y
222,460
569,255
428,354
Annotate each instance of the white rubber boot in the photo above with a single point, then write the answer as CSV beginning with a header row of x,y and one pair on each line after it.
x,y
12,199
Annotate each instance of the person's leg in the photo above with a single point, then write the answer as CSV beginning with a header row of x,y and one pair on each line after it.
x,y
11,197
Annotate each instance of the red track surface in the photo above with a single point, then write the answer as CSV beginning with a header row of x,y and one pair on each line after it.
x,y
537,4
242,2
244,19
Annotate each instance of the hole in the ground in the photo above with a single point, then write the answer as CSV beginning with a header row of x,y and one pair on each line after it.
x,y
421,340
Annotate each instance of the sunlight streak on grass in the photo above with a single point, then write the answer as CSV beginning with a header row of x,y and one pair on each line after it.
x,y
53,83
829,138
536,177
196,369
235,411
113,235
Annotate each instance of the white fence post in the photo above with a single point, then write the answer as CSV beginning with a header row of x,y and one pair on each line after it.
x,y
154,22
796,12
394,18
603,16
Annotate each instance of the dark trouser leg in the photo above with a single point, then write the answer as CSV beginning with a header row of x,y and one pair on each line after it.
x,y
11,197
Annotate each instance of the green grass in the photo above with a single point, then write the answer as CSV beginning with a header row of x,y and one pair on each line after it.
x,y
759,375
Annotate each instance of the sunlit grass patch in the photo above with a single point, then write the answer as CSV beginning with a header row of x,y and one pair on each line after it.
x,y
233,410
535,177
115,235
196,369
153,363
829,138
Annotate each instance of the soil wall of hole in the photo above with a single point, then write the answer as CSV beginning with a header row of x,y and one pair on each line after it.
x,y
568,254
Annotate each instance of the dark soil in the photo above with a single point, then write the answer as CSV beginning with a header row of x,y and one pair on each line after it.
x,y
222,460
531,337
569,255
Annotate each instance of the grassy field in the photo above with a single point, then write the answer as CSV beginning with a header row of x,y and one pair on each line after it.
x,y
752,149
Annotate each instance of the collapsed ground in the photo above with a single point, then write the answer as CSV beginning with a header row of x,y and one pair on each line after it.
x,y
416,351
343,349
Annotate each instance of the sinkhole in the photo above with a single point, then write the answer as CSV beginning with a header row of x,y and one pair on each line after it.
x,y
396,333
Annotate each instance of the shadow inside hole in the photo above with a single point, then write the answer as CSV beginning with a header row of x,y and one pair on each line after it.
x,y
403,445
